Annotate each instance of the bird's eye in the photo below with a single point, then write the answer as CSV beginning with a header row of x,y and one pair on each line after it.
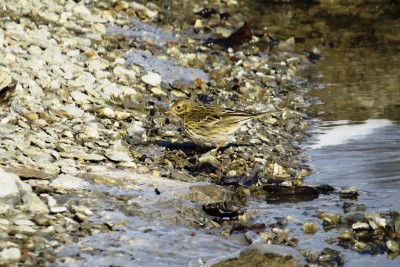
x,y
178,107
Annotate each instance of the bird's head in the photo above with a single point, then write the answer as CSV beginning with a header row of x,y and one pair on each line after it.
x,y
181,107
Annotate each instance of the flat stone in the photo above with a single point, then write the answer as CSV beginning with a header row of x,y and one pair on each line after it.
x,y
106,112
375,220
25,229
118,156
69,182
393,246
90,157
11,254
51,202
9,193
58,209
143,10
158,91
124,74
29,173
152,78
23,222
4,221
360,226
82,10
268,255
206,194
91,132
135,127
34,204
80,97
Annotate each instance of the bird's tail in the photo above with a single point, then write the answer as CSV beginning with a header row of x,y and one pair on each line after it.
x,y
259,115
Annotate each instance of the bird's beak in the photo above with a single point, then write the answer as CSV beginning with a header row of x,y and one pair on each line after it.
x,y
168,112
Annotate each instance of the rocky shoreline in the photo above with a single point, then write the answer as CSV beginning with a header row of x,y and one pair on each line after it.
x,y
83,133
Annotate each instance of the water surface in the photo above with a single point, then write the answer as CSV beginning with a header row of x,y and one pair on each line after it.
x,y
356,92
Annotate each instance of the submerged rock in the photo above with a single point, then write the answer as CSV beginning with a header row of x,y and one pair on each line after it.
x,y
310,228
261,255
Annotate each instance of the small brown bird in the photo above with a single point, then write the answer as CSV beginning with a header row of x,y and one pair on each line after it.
x,y
211,126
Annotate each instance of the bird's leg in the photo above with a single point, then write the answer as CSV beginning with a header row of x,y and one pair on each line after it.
x,y
220,144
215,150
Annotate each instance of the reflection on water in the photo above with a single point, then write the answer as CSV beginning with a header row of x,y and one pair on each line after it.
x,y
368,157
360,45
341,132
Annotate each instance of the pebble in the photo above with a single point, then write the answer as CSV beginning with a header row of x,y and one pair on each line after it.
x,y
58,209
90,157
124,74
151,78
81,10
143,10
310,228
34,203
11,254
106,112
360,226
375,221
118,156
349,191
9,193
80,97
23,222
51,202
135,127
68,182
158,91
4,221
393,246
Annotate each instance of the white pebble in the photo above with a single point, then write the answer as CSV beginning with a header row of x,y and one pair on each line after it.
x,y
152,78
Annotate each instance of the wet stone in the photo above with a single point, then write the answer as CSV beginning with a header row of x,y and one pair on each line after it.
x,y
361,247
346,235
310,228
349,192
264,256
329,255
330,218
253,237
393,246
397,224
348,207
182,176
208,194
375,220
360,226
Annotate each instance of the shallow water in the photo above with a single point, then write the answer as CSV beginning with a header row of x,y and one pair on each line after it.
x,y
357,94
